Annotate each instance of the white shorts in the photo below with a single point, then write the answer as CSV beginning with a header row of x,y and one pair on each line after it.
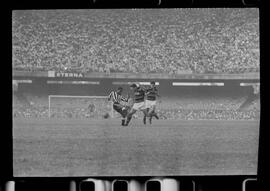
x,y
150,104
139,106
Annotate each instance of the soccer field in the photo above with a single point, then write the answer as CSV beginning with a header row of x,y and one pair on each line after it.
x,y
57,147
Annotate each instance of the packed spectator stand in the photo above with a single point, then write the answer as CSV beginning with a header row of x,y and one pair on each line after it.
x,y
170,41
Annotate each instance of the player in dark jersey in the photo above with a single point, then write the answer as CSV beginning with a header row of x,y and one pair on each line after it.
x,y
138,102
151,102
117,99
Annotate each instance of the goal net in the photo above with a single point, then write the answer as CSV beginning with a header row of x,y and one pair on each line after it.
x,y
66,106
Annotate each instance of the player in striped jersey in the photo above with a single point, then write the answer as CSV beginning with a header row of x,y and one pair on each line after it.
x,y
151,102
118,103
138,102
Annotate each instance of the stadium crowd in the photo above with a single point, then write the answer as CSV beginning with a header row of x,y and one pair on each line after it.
x,y
209,114
171,41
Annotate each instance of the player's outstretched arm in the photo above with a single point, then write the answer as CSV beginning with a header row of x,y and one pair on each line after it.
x,y
110,96
124,99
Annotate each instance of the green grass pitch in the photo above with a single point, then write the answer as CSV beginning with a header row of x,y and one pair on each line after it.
x,y
58,147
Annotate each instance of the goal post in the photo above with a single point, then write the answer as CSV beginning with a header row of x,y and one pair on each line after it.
x,y
50,104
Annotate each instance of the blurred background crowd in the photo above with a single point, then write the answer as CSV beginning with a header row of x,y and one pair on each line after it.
x,y
187,108
171,41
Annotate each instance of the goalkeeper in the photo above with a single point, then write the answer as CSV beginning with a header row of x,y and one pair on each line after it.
x,y
120,103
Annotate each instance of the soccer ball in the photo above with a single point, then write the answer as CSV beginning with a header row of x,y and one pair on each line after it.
x,y
106,116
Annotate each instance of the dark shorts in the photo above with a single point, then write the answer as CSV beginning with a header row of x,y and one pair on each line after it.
x,y
120,110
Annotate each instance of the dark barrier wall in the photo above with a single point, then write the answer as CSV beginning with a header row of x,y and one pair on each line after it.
x,y
40,87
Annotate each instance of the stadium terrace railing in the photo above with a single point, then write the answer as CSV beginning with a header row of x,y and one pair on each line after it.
x,y
254,76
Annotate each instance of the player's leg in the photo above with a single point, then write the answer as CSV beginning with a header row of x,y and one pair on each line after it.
x,y
123,120
133,110
129,116
152,113
144,119
124,113
119,109
146,110
145,115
